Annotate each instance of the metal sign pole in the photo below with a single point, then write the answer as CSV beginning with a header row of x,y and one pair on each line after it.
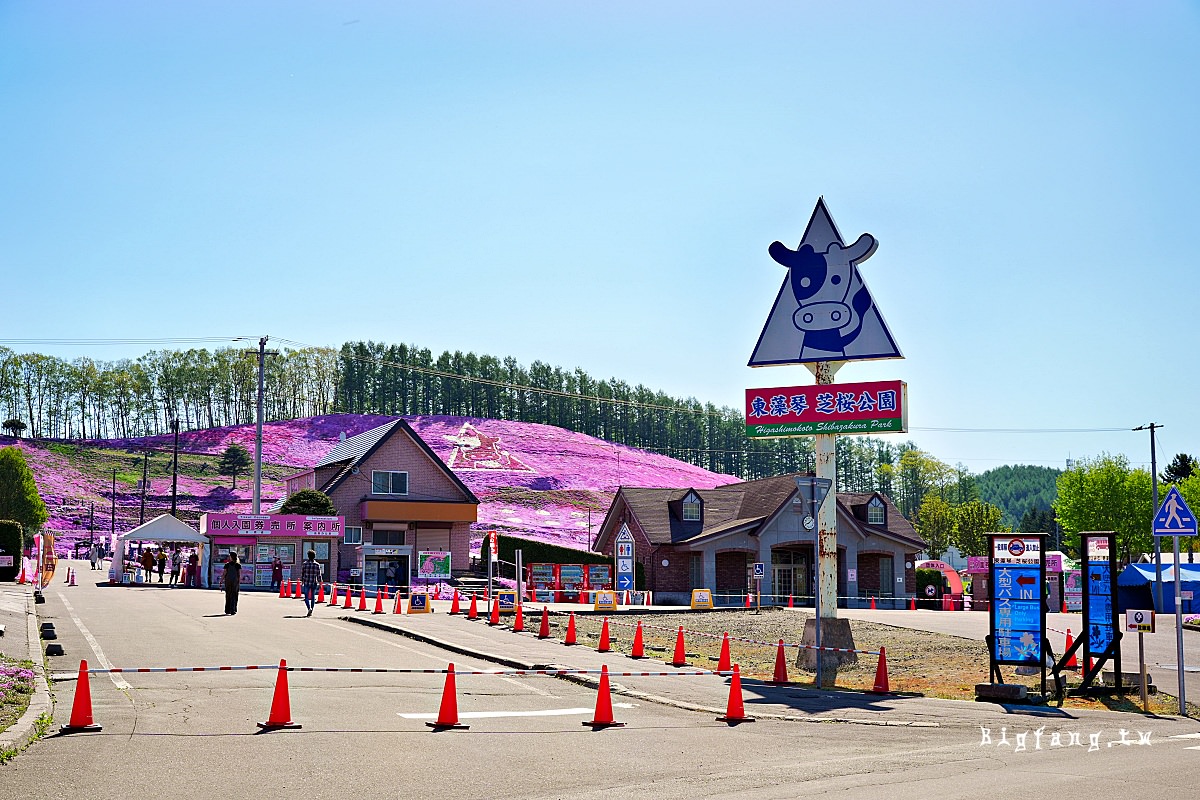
x,y
1178,631
1142,669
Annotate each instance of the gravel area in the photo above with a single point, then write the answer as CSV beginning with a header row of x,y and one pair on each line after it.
x,y
919,662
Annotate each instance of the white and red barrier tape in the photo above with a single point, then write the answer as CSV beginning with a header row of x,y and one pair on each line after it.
x,y
502,672
739,638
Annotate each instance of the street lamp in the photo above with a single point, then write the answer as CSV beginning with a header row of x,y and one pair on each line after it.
x,y
175,466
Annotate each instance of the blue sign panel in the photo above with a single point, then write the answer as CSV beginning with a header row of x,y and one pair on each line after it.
x,y
1100,607
625,560
1017,616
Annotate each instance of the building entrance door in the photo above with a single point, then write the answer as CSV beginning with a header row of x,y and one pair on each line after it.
x,y
789,575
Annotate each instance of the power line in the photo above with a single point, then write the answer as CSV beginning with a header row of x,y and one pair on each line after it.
x,y
120,341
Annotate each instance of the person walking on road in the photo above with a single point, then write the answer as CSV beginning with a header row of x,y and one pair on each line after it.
x,y
148,564
276,574
162,563
233,580
176,557
310,576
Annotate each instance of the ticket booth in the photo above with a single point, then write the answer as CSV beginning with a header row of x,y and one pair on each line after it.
x,y
385,565
258,539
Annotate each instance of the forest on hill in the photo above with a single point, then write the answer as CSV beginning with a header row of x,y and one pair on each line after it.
x,y
46,397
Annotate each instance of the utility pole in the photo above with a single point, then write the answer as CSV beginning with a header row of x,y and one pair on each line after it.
x,y
145,474
175,468
92,525
1158,599
113,522
262,357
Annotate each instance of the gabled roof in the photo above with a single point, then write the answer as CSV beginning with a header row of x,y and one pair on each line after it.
x,y
741,507
163,528
349,453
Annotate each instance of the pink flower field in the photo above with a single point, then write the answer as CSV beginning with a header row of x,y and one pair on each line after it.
x,y
533,481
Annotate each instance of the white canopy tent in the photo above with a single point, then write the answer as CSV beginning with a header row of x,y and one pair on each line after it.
x,y
163,528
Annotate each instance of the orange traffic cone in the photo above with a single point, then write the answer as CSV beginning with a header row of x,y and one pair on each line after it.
x,y
281,707
519,619
21,574
680,657
639,650
494,616
454,609
285,590
781,675
387,594
447,718
473,613
81,707
71,575
748,600
912,604
723,660
333,594
873,604
544,629
570,630
881,674
791,601
321,592
349,594
362,598
1072,662
398,608
604,713
604,645
735,710
378,602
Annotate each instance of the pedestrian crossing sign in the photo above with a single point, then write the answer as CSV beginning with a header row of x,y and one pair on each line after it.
x,y
1174,518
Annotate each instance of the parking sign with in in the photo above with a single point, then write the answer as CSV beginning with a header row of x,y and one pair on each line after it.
x,y
760,569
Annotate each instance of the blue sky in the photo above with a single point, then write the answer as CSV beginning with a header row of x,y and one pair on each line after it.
x,y
596,185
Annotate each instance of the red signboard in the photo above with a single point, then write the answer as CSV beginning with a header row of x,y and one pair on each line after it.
x,y
840,408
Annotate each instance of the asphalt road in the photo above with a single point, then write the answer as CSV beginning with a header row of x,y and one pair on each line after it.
x,y
185,735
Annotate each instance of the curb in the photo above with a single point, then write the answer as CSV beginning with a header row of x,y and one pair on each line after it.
x,y
24,730
589,681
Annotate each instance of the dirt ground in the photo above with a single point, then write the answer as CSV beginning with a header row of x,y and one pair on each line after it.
x,y
918,662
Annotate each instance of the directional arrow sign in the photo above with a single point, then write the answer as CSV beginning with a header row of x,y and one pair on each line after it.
x,y
624,582
1174,518
1025,580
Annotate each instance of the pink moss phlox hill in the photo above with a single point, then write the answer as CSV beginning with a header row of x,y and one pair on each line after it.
x,y
535,481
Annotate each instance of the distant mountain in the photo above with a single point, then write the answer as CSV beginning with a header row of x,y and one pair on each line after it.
x,y
1018,489
534,481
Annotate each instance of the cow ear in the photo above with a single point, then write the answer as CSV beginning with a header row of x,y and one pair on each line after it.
x,y
781,254
862,249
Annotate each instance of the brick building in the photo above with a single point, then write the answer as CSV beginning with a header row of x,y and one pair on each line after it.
x,y
399,499
710,539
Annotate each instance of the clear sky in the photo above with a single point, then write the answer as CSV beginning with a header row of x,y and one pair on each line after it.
x,y
595,185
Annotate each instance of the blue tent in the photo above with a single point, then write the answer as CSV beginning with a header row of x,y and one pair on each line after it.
x,y
1135,587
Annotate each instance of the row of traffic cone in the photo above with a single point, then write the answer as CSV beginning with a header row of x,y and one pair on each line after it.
x,y
81,707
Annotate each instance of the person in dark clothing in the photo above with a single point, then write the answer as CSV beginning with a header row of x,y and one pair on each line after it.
x,y
310,578
276,574
233,579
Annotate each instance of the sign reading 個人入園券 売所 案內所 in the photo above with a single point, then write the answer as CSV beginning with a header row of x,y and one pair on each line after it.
x,y
844,408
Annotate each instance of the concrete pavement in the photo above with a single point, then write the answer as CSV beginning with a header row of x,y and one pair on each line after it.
x,y
21,640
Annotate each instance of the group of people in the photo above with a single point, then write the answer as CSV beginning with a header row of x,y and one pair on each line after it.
x,y
311,576
159,559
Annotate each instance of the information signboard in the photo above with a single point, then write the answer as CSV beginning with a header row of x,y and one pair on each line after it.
x,y
1018,613
702,598
625,560
1099,592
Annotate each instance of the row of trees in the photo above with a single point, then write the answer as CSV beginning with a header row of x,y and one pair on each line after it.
x,y
48,397
52,398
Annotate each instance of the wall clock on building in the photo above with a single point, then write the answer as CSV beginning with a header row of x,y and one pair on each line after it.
x,y
809,522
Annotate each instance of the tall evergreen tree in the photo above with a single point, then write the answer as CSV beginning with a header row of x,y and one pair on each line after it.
x,y
19,499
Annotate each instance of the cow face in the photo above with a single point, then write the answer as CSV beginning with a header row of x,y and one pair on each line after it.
x,y
828,292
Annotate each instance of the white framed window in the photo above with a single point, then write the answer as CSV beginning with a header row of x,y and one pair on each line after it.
x,y
691,508
383,482
352,536
876,512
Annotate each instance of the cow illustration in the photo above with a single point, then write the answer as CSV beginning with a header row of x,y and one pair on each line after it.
x,y
832,298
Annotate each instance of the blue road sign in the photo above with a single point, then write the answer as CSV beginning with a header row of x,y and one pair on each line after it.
x,y
625,568
1174,518
625,582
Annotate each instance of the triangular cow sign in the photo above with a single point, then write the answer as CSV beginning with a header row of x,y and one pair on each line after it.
x,y
824,311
